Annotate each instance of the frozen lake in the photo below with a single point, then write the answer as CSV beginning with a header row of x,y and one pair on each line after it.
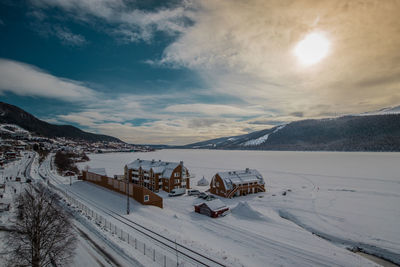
x,y
352,199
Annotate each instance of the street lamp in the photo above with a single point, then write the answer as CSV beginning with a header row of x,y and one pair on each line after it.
x,y
127,195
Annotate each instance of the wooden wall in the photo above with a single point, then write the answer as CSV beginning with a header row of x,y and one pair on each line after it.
x,y
137,192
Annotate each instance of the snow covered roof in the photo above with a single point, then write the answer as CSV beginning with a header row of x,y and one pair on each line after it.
x,y
215,204
240,177
99,171
159,167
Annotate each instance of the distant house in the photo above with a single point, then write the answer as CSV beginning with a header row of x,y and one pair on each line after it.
x,y
237,183
213,208
158,175
10,155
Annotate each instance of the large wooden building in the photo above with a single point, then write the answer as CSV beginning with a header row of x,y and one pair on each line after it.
x,y
158,175
139,193
237,183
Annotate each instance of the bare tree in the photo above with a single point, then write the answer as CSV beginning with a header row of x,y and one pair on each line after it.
x,y
43,233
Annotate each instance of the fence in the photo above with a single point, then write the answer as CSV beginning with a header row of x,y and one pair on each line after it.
x,y
142,247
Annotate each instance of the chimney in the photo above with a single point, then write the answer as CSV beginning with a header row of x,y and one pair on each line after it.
x,y
247,170
152,161
181,163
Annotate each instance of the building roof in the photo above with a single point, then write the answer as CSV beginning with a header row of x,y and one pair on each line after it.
x,y
215,205
99,171
159,167
231,178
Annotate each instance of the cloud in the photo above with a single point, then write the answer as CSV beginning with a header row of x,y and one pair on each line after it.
x,y
69,38
62,33
27,80
215,110
245,48
297,114
123,19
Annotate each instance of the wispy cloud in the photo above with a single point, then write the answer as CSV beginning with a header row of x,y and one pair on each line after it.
x,y
62,33
27,80
123,19
69,38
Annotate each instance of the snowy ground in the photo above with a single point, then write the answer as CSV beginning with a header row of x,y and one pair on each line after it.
x,y
92,248
352,199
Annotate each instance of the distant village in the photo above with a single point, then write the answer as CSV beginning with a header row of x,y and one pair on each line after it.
x,y
14,139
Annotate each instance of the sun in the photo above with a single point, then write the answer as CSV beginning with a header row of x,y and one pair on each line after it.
x,y
312,49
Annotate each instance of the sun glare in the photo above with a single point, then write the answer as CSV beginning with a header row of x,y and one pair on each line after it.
x,y
313,48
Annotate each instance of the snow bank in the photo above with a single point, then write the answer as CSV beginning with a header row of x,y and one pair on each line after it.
x,y
244,210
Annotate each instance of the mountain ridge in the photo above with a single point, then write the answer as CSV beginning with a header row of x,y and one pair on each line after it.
x,y
346,133
10,114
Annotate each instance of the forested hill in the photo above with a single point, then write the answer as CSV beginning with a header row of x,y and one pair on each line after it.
x,y
348,133
10,114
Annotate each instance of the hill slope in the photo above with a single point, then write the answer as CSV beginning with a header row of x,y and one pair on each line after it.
x,y
348,133
13,115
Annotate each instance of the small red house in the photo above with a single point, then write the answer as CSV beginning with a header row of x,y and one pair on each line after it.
x,y
213,208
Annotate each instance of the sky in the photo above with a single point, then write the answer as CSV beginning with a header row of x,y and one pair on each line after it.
x,y
182,71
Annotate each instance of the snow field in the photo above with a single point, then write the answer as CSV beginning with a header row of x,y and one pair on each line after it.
x,y
351,196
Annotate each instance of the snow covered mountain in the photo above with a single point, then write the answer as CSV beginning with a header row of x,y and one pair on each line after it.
x,y
348,133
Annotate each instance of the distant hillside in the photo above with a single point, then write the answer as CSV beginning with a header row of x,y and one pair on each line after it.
x,y
348,133
13,115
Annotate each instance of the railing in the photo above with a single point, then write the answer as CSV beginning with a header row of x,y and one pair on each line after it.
x,y
258,186
232,192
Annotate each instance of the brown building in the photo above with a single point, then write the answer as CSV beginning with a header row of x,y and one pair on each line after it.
x,y
138,192
158,175
237,183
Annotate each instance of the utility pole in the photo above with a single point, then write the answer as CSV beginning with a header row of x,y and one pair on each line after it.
x,y
176,249
127,195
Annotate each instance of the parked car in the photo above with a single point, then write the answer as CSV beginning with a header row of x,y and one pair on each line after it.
x,y
18,179
210,197
28,180
193,192
203,195
177,192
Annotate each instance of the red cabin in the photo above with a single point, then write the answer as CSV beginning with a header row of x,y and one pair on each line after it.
x,y
213,208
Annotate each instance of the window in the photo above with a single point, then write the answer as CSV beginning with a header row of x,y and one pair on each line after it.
x,y
177,174
217,184
177,181
146,198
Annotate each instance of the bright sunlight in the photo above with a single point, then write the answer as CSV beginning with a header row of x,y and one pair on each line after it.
x,y
312,49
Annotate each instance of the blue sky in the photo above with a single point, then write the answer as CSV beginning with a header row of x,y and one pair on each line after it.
x,y
175,72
